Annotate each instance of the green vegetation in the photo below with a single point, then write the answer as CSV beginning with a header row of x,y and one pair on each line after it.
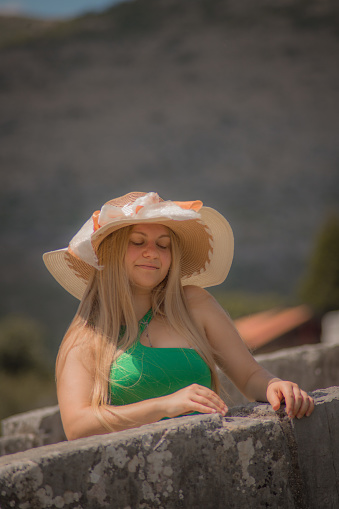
x,y
320,287
26,372
125,19
149,16
239,304
15,31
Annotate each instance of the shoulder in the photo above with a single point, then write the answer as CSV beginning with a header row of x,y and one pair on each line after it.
x,y
206,311
198,297
201,303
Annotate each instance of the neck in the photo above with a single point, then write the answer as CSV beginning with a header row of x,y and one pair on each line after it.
x,y
141,304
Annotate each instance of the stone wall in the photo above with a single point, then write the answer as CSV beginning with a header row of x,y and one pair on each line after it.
x,y
252,458
31,429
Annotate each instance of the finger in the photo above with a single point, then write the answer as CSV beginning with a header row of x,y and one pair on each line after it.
x,y
210,395
307,406
311,407
201,389
202,407
216,400
209,398
298,402
302,409
221,409
197,407
289,400
274,400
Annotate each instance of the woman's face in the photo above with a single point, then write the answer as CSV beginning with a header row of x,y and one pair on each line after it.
x,y
148,256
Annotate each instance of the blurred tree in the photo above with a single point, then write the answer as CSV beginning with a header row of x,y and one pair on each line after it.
x,y
26,373
320,287
22,346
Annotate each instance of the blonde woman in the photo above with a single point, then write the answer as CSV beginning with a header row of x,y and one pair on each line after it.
x,y
147,338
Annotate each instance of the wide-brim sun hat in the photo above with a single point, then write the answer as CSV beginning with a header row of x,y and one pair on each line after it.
x,y
205,238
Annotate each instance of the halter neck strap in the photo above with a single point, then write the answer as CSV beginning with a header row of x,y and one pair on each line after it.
x,y
142,324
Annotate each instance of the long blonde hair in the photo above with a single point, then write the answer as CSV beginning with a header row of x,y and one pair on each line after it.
x,y
107,304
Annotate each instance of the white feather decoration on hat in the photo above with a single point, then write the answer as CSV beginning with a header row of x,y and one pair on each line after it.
x,y
81,245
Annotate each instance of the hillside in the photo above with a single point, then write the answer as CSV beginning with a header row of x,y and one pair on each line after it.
x,y
233,104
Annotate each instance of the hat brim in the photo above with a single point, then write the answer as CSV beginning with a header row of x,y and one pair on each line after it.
x,y
73,274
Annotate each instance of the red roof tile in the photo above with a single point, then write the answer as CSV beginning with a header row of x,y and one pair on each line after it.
x,y
259,329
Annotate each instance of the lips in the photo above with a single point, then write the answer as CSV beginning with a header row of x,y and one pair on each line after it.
x,y
148,267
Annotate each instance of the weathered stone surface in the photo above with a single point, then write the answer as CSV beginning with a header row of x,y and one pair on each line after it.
x,y
198,461
318,450
18,443
44,423
330,328
252,458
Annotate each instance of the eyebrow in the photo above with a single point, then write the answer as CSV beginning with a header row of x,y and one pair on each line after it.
x,y
145,235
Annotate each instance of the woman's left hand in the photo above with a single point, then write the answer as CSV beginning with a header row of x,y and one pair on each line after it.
x,y
298,403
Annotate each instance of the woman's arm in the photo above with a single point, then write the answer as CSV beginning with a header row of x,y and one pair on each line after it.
x,y
233,357
75,385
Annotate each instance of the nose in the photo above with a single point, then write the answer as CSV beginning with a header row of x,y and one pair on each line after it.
x,y
150,250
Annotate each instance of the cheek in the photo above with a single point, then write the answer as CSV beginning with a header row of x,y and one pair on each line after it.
x,y
167,260
131,253
129,257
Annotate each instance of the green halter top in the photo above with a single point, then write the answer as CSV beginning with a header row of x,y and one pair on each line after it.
x,y
143,372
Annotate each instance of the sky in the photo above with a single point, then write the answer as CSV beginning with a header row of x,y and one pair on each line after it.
x,y
52,8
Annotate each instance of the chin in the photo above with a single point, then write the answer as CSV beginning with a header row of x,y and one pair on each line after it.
x,y
146,286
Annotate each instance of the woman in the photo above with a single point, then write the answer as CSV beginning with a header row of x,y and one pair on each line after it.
x,y
146,339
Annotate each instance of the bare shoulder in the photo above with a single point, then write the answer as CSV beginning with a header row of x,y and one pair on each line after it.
x,y
207,311
195,292
202,304
199,297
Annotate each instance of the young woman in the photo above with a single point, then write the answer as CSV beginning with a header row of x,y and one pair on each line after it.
x,y
146,339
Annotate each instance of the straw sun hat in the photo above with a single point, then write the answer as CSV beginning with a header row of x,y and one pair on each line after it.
x,y
205,238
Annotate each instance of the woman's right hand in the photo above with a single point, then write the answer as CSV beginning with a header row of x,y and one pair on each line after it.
x,y
193,398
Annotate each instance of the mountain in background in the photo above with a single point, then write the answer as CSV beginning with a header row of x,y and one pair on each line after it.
x,y
229,102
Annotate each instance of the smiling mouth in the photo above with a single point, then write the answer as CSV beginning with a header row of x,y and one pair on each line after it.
x,y
148,267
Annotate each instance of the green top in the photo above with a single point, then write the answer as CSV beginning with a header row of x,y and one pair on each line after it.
x,y
144,372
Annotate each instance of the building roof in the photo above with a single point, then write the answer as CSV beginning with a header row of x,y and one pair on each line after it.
x,y
261,328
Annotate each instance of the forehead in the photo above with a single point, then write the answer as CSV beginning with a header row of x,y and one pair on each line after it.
x,y
151,229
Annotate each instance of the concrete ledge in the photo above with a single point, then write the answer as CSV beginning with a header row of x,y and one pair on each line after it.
x,y
317,440
45,421
252,458
18,443
41,427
